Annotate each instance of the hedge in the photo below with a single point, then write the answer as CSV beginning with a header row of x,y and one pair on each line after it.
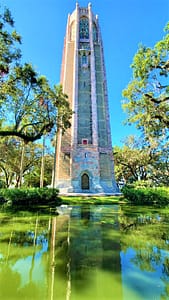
x,y
29,196
147,196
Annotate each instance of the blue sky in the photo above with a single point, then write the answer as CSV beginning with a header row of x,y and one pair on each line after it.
x,y
124,25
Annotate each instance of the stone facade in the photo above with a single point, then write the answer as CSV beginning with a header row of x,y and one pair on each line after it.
x,y
84,154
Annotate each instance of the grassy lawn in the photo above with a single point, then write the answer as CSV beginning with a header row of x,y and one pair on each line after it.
x,y
91,199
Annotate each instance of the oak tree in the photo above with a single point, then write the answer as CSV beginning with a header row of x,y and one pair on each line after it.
x,y
28,106
147,95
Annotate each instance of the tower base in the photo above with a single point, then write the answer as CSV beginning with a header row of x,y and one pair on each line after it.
x,y
69,187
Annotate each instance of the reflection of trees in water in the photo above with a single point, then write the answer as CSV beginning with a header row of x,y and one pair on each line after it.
x,y
148,259
153,228
76,247
20,238
166,266
148,235
165,278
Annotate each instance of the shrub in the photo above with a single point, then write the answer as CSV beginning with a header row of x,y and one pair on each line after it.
x,y
143,184
30,196
2,184
146,196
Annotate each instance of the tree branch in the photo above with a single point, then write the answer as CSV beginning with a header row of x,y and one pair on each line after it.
x,y
158,101
27,137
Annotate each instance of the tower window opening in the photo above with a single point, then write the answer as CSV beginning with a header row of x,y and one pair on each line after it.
x,y
95,33
84,28
84,141
84,59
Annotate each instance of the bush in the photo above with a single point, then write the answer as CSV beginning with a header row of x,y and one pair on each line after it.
x,y
142,184
2,184
30,196
146,196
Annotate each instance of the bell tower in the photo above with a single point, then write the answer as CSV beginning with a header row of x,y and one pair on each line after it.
x,y
84,153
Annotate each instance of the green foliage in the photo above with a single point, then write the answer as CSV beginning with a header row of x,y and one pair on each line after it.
x,y
2,184
131,164
132,160
143,161
64,113
32,176
27,197
147,94
9,42
29,106
22,91
146,196
10,159
143,184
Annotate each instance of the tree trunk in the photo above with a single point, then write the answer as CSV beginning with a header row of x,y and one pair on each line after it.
x,y
42,164
21,165
57,155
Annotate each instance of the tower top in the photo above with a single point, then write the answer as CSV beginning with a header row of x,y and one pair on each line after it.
x,y
84,10
89,4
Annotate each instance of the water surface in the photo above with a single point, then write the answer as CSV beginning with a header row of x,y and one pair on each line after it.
x,y
88,252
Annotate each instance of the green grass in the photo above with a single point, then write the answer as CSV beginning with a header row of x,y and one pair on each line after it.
x,y
91,199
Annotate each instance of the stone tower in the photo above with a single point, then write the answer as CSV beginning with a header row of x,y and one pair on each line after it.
x,y
84,159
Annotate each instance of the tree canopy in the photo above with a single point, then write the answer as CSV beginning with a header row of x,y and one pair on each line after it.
x,y
138,160
147,95
29,107
10,159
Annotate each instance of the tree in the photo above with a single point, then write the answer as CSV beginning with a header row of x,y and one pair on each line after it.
x,y
32,176
10,54
148,92
26,111
64,112
8,152
138,160
132,161
159,169
11,156
28,108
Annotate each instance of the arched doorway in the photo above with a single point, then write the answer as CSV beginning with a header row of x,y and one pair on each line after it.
x,y
85,182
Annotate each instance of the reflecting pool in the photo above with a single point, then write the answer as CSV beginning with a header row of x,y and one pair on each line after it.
x,y
102,252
